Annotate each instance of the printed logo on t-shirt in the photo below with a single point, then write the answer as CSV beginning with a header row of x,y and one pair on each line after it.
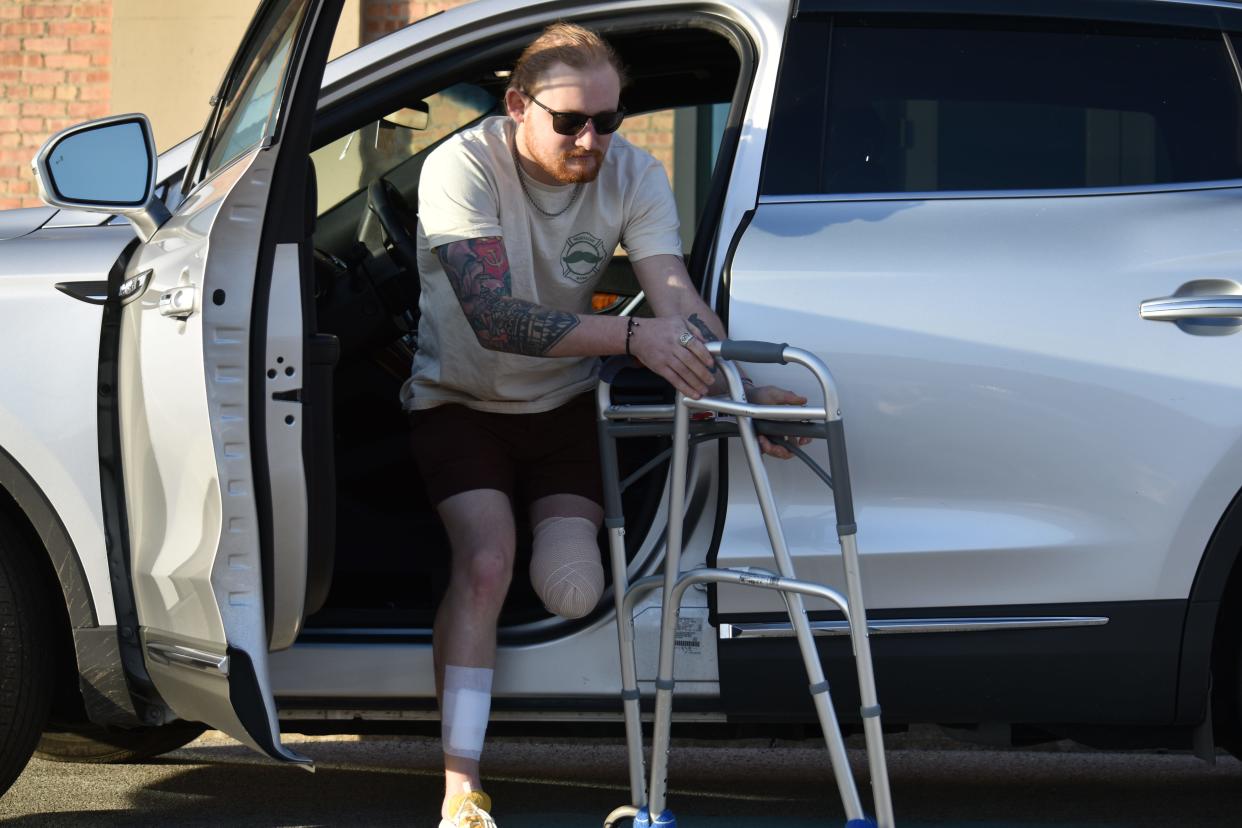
x,y
582,257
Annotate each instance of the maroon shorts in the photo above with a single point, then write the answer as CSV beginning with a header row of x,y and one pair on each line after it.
x,y
526,456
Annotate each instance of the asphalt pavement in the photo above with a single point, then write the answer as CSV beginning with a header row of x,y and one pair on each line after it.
x,y
566,783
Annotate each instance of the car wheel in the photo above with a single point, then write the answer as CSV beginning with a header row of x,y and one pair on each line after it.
x,y
99,745
25,653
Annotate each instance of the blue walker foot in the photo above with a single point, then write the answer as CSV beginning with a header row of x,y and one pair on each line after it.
x,y
642,819
865,822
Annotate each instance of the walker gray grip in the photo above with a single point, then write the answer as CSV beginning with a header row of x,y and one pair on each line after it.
x,y
839,468
743,350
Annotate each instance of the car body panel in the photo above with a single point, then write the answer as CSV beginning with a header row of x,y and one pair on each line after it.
x,y
48,413
1018,433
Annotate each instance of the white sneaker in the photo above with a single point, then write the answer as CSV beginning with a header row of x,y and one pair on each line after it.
x,y
470,810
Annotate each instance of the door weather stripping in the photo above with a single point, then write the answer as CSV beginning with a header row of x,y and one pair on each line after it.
x,y
180,656
904,626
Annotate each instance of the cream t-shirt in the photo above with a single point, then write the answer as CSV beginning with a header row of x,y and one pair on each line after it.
x,y
469,189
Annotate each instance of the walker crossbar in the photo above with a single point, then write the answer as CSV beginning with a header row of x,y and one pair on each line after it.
x,y
648,806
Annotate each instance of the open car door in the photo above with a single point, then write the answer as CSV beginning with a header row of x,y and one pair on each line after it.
x,y
212,363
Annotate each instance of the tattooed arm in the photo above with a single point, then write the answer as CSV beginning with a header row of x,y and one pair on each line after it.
x,y
478,270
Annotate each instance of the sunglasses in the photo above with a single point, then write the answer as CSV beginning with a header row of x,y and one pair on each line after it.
x,y
571,123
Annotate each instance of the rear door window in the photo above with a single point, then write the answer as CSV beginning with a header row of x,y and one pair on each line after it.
x,y
934,103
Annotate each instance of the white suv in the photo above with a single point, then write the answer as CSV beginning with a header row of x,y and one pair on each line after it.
x,y
1010,228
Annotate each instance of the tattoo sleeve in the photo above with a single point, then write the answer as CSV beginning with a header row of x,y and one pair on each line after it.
x,y
478,270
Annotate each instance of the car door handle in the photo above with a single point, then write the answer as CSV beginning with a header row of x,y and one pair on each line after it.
x,y
178,302
1172,308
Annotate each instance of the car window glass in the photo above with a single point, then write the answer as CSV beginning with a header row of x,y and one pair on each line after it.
x,y
350,163
252,102
927,103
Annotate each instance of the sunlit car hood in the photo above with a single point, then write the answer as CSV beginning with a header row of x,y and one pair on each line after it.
x,y
14,223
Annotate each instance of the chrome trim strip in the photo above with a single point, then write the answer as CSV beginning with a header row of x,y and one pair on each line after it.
x,y
1233,56
398,715
181,656
949,195
903,626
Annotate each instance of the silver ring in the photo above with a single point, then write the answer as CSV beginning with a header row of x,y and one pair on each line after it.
x,y
685,339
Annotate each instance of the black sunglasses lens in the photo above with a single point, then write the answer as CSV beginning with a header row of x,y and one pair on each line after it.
x,y
608,122
569,123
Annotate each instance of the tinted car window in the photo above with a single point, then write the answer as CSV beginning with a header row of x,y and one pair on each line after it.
x,y
887,103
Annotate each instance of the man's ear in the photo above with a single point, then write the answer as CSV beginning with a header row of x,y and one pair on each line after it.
x,y
515,104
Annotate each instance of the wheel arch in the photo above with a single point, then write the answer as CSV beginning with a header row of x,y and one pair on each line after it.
x,y
83,647
1211,638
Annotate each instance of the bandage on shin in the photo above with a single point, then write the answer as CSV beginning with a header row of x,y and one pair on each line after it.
x,y
565,566
467,704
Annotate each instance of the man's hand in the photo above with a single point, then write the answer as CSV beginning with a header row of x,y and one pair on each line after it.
x,y
657,342
772,395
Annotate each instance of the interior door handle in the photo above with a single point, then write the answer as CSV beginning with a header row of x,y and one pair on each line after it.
x,y
178,302
1172,308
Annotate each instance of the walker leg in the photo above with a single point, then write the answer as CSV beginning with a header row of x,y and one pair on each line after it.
x,y
661,728
833,739
630,697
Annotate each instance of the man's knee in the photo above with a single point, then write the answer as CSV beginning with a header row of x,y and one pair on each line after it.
x,y
565,567
486,571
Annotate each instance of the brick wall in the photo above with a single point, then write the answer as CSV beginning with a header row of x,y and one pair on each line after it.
x,y
54,72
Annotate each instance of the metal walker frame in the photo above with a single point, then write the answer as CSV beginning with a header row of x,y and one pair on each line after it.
x,y
648,805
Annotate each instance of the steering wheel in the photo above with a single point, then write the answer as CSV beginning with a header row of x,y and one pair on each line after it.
x,y
397,219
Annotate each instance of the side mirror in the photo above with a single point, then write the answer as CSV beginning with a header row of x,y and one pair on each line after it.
x,y
104,166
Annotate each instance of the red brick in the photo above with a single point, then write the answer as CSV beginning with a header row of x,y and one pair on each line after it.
x,y
46,45
10,12
70,27
30,125
42,11
93,92
10,203
92,10
42,93
43,108
10,44
90,109
7,172
8,124
66,93
90,44
67,61
57,124
23,28
16,92
100,59
9,75
90,76
21,187
45,76
103,26
34,139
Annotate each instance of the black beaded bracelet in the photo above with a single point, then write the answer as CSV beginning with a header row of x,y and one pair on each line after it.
x,y
630,324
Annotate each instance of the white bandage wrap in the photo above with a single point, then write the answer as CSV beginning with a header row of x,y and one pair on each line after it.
x,y
565,566
467,704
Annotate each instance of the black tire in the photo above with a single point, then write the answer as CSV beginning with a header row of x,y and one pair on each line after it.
x,y
98,745
25,652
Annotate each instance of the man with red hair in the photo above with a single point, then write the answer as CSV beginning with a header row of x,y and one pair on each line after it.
x,y
518,217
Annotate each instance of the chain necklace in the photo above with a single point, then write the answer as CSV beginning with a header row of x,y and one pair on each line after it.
x,y
521,176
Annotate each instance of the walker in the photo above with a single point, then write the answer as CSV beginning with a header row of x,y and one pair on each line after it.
x,y
648,806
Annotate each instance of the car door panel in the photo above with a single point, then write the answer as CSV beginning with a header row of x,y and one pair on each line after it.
x,y
1018,434
212,441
